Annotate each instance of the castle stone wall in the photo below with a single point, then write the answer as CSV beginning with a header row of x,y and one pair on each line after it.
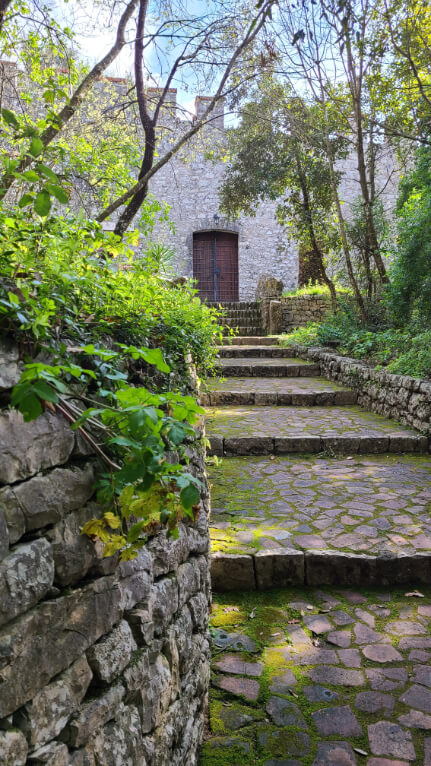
x,y
189,183
101,664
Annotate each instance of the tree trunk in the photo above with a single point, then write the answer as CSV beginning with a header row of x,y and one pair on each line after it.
x,y
316,248
342,227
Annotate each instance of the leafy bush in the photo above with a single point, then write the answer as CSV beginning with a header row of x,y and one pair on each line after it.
x,y
98,315
409,295
404,351
317,289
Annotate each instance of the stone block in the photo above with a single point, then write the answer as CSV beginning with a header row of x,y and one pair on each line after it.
x,y
92,716
249,445
232,572
122,740
268,287
53,754
198,606
189,578
13,748
265,399
275,317
135,579
183,629
331,568
13,516
4,535
47,499
279,569
404,568
82,757
413,443
26,575
10,367
27,448
45,641
47,714
141,623
150,680
167,554
342,444
112,653
74,554
165,594
287,444
215,446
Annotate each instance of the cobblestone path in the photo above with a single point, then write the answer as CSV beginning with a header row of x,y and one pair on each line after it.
x,y
332,678
303,676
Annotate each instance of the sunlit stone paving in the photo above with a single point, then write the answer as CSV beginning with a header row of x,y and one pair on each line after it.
x,y
368,504
314,429
256,367
306,677
280,391
322,678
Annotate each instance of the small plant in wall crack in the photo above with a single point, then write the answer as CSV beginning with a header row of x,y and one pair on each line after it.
x,y
139,435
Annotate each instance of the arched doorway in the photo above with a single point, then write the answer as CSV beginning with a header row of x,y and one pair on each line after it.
x,y
215,265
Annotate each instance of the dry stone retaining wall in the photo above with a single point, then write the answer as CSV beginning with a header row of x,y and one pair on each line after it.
x,y
284,313
399,397
100,664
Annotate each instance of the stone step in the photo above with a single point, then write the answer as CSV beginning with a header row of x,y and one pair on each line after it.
x,y
300,392
243,430
261,340
241,322
260,367
245,330
242,317
227,305
262,351
320,521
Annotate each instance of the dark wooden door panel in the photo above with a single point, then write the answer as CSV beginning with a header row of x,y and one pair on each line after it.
x,y
203,264
215,265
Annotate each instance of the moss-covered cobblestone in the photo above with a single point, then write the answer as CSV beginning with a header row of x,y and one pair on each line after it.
x,y
372,504
351,694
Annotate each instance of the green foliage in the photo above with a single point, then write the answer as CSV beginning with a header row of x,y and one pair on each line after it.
x,y
307,336
141,431
404,351
317,289
100,316
409,296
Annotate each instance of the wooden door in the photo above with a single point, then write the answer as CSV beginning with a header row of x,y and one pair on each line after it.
x,y
215,265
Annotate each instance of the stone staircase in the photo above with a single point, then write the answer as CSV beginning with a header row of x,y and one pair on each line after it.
x,y
312,488
314,491
243,316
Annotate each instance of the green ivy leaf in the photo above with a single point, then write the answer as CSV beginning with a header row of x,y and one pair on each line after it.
x,y
59,193
31,176
25,200
42,203
10,117
135,531
189,496
47,172
36,146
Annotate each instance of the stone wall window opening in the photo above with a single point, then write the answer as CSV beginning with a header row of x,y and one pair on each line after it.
x,y
215,265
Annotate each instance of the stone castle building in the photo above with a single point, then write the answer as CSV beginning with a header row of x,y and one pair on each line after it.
x,y
228,257
225,257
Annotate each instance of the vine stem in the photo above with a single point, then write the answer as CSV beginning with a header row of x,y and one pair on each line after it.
x,y
86,436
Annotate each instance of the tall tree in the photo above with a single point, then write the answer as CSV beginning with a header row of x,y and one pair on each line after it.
x,y
277,153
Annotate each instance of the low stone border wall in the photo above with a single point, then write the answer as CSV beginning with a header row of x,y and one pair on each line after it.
x,y
342,445
101,664
399,397
286,312
279,569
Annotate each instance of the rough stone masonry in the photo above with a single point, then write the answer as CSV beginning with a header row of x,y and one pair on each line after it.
x,y
100,664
